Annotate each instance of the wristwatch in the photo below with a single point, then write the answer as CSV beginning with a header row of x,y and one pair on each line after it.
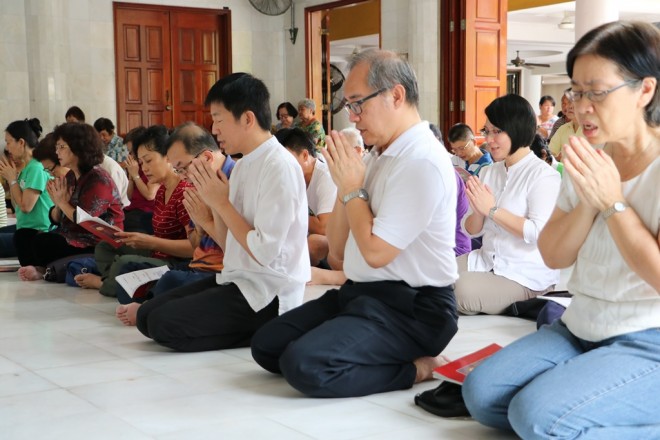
x,y
491,212
617,207
360,194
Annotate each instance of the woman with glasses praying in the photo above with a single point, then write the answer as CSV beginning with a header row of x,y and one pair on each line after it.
x,y
510,202
595,373
140,191
88,186
285,115
27,186
467,156
169,244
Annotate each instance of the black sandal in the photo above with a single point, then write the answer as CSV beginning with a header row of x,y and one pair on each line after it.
x,y
445,401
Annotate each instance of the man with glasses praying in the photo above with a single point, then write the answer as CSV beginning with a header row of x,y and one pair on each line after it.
x,y
393,228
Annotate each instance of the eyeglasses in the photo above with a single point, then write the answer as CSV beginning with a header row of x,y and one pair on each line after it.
x,y
463,147
596,95
355,107
59,147
283,116
184,169
51,169
495,131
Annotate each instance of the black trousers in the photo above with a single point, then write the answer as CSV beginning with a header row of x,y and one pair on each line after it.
x,y
202,316
36,248
361,339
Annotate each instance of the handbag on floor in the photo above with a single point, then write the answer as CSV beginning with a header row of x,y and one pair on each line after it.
x,y
56,270
79,266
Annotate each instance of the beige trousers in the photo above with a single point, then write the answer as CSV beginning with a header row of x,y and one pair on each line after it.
x,y
485,292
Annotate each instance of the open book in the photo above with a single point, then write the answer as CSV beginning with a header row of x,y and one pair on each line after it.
x,y
132,281
456,371
98,227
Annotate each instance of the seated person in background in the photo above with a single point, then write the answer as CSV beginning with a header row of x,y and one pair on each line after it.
x,y
563,133
119,176
27,187
321,190
510,202
354,137
140,191
114,145
285,114
540,148
188,142
169,244
47,155
308,122
87,186
547,118
384,329
595,372
467,156
261,222
563,119
74,114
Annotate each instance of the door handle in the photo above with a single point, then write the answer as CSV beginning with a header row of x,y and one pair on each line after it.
x,y
168,107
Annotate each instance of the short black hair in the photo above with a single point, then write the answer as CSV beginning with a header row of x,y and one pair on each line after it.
x,y
194,138
46,149
104,124
133,134
290,109
460,132
547,98
84,142
635,49
515,115
153,138
296,140
539,147
241,92
76,112
28,129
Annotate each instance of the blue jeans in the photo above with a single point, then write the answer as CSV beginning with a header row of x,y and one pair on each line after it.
x,y
552,384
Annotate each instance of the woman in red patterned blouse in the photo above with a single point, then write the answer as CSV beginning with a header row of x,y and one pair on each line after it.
x,y
169,244
87,186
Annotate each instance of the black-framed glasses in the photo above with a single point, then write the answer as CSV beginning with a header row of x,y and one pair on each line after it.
x,y
495,131
51,169
355,107
596,95
184,169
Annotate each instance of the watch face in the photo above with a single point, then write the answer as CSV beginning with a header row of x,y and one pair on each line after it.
x,y
619,206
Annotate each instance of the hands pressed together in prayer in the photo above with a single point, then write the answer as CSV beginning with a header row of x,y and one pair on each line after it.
x,y
211,187
199,212
8,169
594,175
132,167
480,196
59,191
344,163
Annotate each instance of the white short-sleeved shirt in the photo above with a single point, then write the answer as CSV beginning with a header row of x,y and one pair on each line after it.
x,y
412,191
322,191
268,189
609,299
119,176
527,189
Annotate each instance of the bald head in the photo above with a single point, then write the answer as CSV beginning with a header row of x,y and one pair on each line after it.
x,y
194,138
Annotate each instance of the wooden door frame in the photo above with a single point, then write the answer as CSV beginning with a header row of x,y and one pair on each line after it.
x,y
224,36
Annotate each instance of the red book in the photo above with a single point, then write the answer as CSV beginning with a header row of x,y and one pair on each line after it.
x,y
456,371
98,227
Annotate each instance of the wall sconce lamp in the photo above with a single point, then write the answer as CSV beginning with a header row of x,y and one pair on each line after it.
x,y
293,30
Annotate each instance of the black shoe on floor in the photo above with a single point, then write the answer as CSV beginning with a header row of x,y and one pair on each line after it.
x,y
445,401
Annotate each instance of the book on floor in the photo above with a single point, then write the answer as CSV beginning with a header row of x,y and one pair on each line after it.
x,y
132,281
457,370
9,265
98,227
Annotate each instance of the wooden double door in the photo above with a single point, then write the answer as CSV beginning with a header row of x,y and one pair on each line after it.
x,y
166,60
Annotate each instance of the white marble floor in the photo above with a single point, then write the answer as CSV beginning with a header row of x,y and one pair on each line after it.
x,y
68,369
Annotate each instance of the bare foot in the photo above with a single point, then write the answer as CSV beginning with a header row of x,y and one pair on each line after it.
x,y
127,313
326,276
88,281
30,273
426,365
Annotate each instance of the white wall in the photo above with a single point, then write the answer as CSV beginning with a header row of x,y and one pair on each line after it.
x,y
58,53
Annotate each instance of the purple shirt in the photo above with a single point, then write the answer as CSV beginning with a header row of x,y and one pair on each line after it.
x,y
463,242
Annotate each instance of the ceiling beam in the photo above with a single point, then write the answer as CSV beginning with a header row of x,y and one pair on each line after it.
x,y
515,5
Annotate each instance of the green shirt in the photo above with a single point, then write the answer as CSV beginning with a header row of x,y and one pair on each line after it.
x,y
34,176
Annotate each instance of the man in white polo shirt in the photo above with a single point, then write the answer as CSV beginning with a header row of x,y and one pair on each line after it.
x,y
393,228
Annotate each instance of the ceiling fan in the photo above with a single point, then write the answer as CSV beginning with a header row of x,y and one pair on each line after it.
x,y
519,62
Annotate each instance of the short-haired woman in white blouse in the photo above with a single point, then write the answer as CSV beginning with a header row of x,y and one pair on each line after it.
x,y
595,374
510,202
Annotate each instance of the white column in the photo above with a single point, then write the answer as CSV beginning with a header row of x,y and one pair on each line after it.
x,y
592,13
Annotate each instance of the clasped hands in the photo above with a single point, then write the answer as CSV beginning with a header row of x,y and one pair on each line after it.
x,y
8,169
59,191
345,164
480,196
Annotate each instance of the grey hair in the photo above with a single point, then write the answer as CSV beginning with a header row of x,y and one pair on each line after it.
x,y
194,138
307,103
386,70
354,136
